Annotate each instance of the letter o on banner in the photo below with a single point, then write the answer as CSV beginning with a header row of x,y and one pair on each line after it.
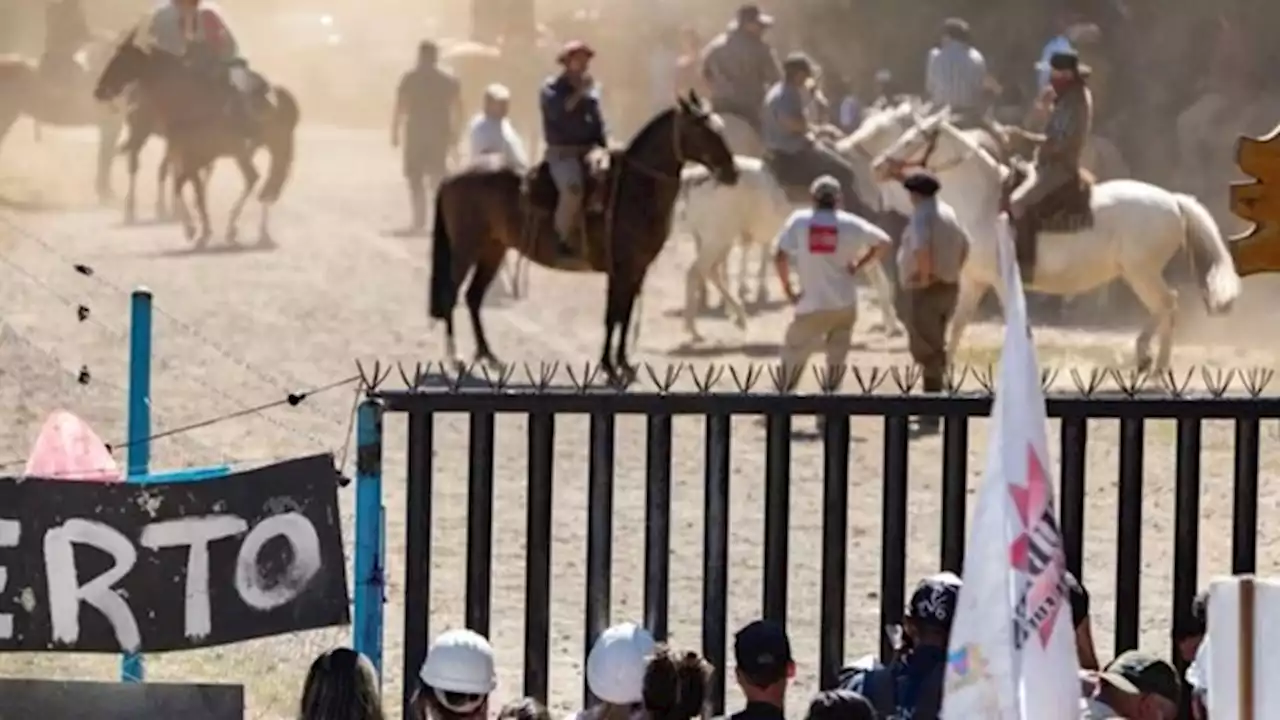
x,y
267,593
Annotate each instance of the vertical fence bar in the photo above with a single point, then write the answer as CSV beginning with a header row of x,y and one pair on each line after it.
x,y
1244,515
132,666
417,561
657,525
955,469
538,548
599,532
1073,439
715,553
369,561
835,546
1186,525
893,544
1129,533
480,522
777,514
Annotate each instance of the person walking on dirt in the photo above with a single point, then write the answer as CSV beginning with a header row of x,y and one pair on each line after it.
x,y
427,118
828,246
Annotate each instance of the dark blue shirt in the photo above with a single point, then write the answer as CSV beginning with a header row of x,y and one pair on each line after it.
x,y
583,125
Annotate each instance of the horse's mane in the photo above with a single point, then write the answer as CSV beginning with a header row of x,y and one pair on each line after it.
x,y
650,127
872,125
942,122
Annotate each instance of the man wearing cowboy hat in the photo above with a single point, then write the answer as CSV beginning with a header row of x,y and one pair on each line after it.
x,y
572,127
739,65
1070,108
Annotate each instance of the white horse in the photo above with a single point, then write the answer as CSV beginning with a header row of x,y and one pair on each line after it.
x,y
747,215
1137,229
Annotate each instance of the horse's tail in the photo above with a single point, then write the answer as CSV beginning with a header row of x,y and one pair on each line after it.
x,y
287,117
443,292
1211,259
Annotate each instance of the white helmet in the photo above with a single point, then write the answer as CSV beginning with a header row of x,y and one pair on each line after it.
x,y
617,662
460,661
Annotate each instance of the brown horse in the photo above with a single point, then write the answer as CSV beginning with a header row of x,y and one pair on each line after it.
x,y
192,110
481,213
60,99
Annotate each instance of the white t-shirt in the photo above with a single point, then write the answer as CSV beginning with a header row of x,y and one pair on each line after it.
x,y
822,244
496,137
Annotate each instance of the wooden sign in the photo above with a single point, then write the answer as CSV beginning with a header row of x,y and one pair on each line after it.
x,y
64,700
121,567
1258,250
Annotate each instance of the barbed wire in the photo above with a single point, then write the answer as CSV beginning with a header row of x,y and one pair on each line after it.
x,y
874,380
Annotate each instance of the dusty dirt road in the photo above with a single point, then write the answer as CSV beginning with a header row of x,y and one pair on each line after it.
x,y
236,329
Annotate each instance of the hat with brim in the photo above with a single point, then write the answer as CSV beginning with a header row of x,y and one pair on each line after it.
x,y
575,48
1067,61
751,14
1138,673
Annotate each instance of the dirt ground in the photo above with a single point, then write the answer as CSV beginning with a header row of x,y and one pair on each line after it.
x,y
236,329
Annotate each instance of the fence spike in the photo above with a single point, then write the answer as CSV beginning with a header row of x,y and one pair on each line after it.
x,y
986,378
1047,378
1256,379
1217,382
1171,384
952,385
747,380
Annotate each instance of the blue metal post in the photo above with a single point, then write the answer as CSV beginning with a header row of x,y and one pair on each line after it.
x,y
369,568
132,667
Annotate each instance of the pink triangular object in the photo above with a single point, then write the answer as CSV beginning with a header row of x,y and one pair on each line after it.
x,y
68,449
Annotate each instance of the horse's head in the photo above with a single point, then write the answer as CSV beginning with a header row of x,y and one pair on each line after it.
x,y
126,66
932,144
700,138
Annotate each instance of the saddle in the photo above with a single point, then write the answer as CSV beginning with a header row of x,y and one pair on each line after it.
x,y
1066,209
539,193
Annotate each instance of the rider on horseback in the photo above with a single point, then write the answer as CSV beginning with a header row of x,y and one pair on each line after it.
x,y
956,75
574,130
740,66
199,33
1057,161
791,142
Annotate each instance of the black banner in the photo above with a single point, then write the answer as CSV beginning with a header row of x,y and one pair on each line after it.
x,y
60,700
88,567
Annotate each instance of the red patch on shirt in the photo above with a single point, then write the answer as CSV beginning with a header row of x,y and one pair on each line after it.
x,y
822,239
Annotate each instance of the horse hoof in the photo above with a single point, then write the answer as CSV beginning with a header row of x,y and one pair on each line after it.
x,y
740,322
1144,364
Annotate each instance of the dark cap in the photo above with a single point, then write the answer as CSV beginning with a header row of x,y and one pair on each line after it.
x,y
796,62
1067,60
750,13
922,183
840,704
762,652
1138,673
956,28
935,598
1079,599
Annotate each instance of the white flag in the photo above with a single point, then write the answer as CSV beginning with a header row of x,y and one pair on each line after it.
x,y
1013,654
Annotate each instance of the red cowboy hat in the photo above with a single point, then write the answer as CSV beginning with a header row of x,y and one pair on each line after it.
x,y
575,47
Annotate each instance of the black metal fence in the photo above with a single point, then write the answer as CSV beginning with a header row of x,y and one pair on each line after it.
x,y
1130,399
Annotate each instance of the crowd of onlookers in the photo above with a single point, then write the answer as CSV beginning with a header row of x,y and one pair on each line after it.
x,y
635,677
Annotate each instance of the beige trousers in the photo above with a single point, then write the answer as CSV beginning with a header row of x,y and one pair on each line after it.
x,y
829,330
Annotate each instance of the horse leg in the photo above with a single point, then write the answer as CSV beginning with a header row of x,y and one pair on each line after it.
x,y
884,297
487,267
180,179
967,300
245,162
625,307
762,273
1162,302
745,241
131,193
163,172
202,207
108,132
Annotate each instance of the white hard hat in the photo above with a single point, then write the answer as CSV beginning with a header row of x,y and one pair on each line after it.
x,y
497,91
617,662
460,661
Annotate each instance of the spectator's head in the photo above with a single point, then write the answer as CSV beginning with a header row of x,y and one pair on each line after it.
x,y
1190,626
1065,68
797,68
1079,597
617,662
956,29
524,709
675,686
933,603
575,56
428,53
751,20
497,98
1141,686
763,656
840,704
825,191
456,678
340,684
921,186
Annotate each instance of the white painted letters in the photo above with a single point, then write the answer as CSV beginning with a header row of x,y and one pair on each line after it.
x,y
66,593
195,533
250,583
10,534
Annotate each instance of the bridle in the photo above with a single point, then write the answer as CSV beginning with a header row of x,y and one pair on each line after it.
x,y
677,147
931,145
